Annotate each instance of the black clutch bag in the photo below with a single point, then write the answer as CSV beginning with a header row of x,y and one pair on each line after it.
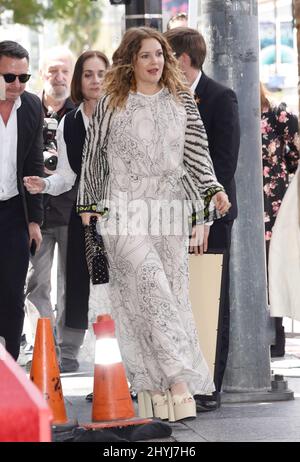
x,y
95,254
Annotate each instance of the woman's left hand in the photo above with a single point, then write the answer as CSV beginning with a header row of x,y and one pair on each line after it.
x,y
221,202
86,216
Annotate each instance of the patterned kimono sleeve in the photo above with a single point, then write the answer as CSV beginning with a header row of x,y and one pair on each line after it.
x,y
199,182
94,178
290,137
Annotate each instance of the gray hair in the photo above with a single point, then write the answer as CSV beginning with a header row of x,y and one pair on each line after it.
x,y
56,52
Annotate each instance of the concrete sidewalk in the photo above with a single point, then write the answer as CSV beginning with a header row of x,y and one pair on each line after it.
x,y
277,421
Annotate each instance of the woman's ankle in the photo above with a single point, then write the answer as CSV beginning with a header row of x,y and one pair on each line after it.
x,y
179,388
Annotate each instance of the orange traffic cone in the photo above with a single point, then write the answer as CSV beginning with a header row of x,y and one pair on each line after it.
x,y
112,403
45,372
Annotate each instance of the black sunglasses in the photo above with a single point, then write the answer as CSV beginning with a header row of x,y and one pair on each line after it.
x,y
23,78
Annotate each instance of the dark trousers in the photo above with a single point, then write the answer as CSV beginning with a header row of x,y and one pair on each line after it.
x,y
220,240
77,276
14,259
277,349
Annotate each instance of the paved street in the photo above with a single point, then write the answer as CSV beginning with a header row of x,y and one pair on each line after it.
x,y
238,422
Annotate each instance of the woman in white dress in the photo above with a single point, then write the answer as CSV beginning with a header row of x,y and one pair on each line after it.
x,y
146,160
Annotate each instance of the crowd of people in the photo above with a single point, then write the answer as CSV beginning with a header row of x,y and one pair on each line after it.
x,y
148,137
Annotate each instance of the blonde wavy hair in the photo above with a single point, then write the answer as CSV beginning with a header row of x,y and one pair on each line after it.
x,y
265,98
120,80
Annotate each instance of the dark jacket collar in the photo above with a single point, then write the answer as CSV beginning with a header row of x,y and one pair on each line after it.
x,y
67,107
201,87
25,115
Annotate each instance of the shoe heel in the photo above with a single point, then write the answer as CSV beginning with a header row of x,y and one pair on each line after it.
x,y
160,406
171,415
145,404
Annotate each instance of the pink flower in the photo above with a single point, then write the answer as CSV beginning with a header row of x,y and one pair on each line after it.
x,y
266,172
268,235
275,206
272,147
263,126
282,117
267,189
274,160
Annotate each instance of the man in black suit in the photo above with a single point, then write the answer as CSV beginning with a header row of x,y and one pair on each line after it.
x,y
21,154
218,108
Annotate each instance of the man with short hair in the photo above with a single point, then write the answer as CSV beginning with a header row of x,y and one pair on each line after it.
x,y
218,108
21,214
56,71
56,68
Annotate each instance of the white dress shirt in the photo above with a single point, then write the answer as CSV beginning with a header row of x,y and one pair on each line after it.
x,y
64,177
195,83
8,154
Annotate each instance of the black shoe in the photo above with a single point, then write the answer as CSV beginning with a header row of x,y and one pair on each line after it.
x,y
68,365
133,395
277,351
89,397
207,403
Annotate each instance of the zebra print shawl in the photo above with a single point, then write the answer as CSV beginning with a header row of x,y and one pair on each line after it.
x,y
199,181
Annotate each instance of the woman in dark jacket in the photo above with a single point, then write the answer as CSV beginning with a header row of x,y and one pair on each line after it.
x,y
86,90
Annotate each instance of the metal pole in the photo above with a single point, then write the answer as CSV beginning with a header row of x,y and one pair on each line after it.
x,y
144,13
231,32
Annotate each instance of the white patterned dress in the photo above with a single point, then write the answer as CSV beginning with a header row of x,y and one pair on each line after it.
x,y
149,260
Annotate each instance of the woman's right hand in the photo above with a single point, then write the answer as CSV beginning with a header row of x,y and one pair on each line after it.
x,y
34,184
196,240
86,216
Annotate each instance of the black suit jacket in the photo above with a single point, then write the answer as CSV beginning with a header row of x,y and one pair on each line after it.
x,y
30,153
218,108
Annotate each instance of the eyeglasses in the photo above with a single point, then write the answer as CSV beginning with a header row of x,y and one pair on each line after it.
x,y
10,78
